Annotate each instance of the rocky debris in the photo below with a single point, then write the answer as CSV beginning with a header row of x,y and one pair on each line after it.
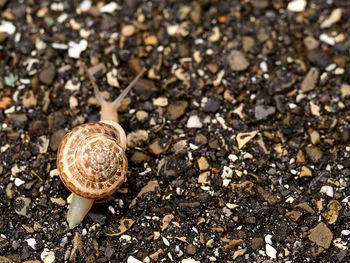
x,y
310,80
237,61
321,235
177,109
261,112
47,74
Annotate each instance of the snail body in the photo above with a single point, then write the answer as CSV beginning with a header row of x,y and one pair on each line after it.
x,y
91,159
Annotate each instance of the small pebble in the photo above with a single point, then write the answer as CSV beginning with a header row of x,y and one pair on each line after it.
x,y
194,122
333,18
128,30
31,242
297,5
47,256
261,112
161,102
328,190
237,61
76,48
270,251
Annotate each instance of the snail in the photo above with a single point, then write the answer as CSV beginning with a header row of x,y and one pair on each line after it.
x,y
91,158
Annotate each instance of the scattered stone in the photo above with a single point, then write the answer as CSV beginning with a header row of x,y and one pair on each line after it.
x,y
47,256
29,99
47,74
145,89
159,146
297,5
314,153
141,115
112,78
5,102
203,178
128,30
321,235
310,80
176,109
306,208
136,138
150,40
139,157
270,251
7,27
328,190
189,260
72,85
294,215
131,259
305,172
76,48
56,139
191,249
315,137
315,109
237,61
257,243
332,213
212,105
248,43
345,91
244,137
161,102
319,58
203,163
22,206
194,122
261,112
43,144
333,18
311,43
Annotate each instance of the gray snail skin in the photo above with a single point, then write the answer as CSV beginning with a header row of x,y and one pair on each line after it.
x,y
91,158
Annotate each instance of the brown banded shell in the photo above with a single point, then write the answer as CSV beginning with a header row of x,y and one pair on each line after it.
x,y
91,159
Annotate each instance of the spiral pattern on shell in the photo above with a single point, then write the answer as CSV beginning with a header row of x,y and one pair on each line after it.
x,y
91,159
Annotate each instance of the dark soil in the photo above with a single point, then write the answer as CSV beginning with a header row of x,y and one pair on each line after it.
x,y
241,129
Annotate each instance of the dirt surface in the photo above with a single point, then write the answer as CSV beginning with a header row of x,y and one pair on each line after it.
x,y
239,135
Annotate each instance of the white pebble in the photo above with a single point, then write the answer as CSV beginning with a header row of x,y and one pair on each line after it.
x,y
270,251
72,86
110,7
189,260
194,122
47,256
297,5
166,241
19,182
334,17
75,48
327,39
161,102
345,232
328,190
233,157
31,242
7,27
131,259
268,239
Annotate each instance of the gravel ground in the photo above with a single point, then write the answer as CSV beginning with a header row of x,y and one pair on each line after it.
x,y
238,133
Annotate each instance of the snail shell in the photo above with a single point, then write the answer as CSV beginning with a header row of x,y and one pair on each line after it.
x,y
92,161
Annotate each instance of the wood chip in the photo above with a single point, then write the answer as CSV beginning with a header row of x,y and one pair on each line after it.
x,y
124,225
151,186
244,137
